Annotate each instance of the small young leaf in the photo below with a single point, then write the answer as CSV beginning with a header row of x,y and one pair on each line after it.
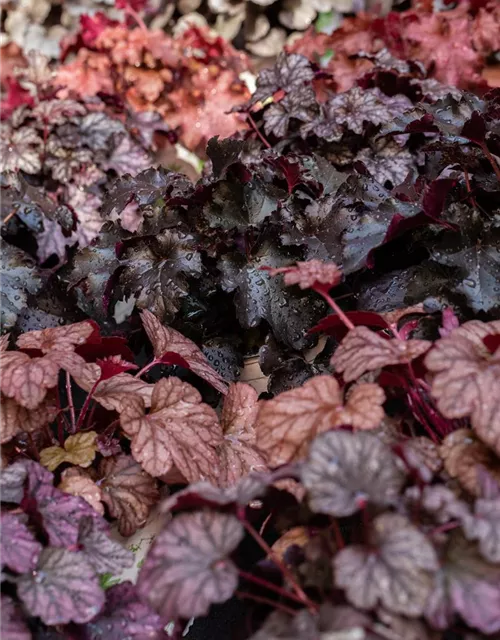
x,y
78,483
187,568
64,588
345,470
395,570
79,449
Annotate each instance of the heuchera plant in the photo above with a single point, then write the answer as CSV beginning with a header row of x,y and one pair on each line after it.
x,y
358,497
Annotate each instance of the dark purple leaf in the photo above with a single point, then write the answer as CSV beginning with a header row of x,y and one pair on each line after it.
x,y
20,277
223,153
187,568
103,553
12,624
63,588
435,196
145,189
346,470
475,128
125,616
18,548
290,72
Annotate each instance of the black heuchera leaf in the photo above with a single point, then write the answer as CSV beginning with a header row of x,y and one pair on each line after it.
x,y
12,625
187,568
348,225
156,271
478,264
20,276
223,153
290,72
145,188
258,297
19,549
63,588
124,615
103,553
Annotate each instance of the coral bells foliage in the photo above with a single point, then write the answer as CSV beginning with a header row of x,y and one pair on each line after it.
x,y
454,44
191,80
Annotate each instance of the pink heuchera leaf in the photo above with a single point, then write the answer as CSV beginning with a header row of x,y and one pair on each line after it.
x,y
27,379
111,392
238,454
64,588
12,625
187,568
19,549
125,615
179,430
465,584
346,470
310,275
165,339
103,553
364,350
288,423
449,322
128,491
396,570
15,418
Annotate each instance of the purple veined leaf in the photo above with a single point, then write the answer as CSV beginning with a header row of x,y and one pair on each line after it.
x,y
187,568
467,585
12,624
40,484
63,588
124,616
19,550
483,525
103,553
290,72
128,158
345,470
395,568
12,482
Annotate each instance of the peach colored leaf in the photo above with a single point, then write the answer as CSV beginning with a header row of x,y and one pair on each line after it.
x,y
112,392
58,338
363,409
15,418
466,378
238,453
364,350
79,449
298,536
128,491
179,430
289,422
188,568
78,483
4,342
395,570
27,379
462,454
165,339
311,273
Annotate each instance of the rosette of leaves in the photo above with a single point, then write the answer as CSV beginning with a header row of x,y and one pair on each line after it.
x,y
57,156
55,547
190,80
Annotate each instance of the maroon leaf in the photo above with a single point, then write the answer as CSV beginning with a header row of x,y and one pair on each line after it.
x,y
395,570
103,553
346,470
124,615
19,549
12,625
187,568
64,588
167,340
112,366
